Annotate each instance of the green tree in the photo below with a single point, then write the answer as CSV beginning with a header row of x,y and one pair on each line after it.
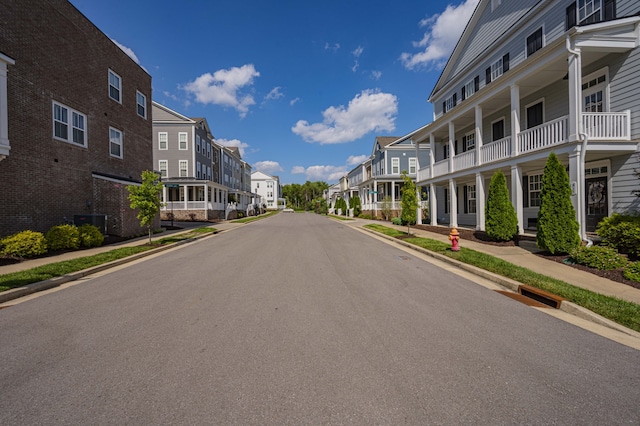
x,y
146,198
409,201
356,205
558,230
387,208
501,221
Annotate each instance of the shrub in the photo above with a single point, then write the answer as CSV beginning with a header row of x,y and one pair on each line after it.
x,y
366,216
622,232
632,271
557,225
356,205
409,201
501,222
396,221
24,244
63,237
599,257
90,236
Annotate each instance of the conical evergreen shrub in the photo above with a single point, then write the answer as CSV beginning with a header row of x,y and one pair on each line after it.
x,y
501,222
558,230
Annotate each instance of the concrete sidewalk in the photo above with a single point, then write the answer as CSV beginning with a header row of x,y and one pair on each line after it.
x,y
524,255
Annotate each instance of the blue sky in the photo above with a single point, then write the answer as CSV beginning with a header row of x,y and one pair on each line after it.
x,y
302,87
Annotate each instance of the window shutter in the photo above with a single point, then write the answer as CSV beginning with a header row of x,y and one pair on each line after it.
x,y
476,83
455,99
505,63
463,92
466,200
488,76
525,191
570,19
609,10
464,145
455,147
444,107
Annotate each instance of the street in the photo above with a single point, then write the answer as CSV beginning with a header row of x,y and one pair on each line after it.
x,y
299,319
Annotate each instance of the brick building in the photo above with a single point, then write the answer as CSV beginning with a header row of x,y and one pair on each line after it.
x,y
79,120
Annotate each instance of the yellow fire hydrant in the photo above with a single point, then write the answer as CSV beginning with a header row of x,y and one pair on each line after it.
x,y
454,237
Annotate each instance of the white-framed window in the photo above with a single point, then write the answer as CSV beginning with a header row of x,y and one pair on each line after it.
x,y
141,104
535,185
198,143
115,142
69,125
208,150
115,86
450,102
496,69
163,166
208,172
395,166
198,169
497,129
470,199
469,89
589,11
446,151
412,165
469,141
163,141
595,92
183,168
182,140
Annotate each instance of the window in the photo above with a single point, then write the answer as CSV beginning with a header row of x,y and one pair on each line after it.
x,y
115,142
446,150
446,201
198,169
470,199
594,92
163,165
535,185
208,150
184,168
182,140
198,143
497,68
450,102
412,165
395,166
469,142
589,11
497,130
470,88
69,125
535,115
141,101
163,140
534,42
115,86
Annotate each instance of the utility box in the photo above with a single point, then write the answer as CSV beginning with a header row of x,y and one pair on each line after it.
x,y
97,220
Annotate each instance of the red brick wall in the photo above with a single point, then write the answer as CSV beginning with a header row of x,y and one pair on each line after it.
x,y
62,56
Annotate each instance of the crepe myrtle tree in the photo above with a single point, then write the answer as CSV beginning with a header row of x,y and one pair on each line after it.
x,y
409,201
146,198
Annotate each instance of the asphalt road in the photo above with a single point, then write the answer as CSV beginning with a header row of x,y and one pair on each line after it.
x,y
299,319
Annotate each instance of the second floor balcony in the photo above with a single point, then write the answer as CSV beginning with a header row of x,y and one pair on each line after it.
x,y
599,126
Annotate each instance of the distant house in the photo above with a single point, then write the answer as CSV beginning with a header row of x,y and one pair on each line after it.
x,y
75,124
237,177
528,78
267,188
188,160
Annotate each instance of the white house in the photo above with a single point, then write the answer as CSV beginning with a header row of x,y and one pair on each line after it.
x,y
268,190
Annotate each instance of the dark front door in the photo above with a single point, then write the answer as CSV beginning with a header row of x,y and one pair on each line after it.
x,y
596,201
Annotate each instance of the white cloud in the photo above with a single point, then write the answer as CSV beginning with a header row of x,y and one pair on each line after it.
x,y
275,93
375,75
443,32
354,160
223,86
321,173
358,51
130,53
333,47
370,110
242,146
294,101
268,167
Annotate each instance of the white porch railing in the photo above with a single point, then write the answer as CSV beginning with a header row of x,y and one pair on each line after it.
x,y
441,168
547,134
607,125
424,174
464,160
496,150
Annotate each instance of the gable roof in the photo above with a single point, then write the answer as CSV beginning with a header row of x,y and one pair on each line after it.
x,y
163,114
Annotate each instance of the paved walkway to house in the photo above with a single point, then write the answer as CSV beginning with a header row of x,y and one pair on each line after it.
x,y
524,255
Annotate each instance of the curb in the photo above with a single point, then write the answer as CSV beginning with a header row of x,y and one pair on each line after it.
x,y
566,306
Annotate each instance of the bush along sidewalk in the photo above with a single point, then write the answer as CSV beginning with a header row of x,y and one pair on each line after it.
x,y
620,311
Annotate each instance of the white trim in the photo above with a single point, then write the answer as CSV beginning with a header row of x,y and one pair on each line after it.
x,y
544,41
139,93
166,134
69,124
529,105
119,88
166,169
606,88
120,144
186,142
504,128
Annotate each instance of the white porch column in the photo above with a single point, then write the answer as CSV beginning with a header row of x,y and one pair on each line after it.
x,y
515,120
453,204
516,196
206,200
185,190
480,202
575,91
375,199
577,189
452,139
433,204
432,153
478,134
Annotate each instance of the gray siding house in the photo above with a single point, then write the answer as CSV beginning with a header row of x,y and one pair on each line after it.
x,y
528,78
186,156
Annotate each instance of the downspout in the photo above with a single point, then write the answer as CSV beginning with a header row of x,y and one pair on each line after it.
x,y
583,153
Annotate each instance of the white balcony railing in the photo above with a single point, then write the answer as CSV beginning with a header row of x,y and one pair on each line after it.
x,y
464,161
424,174
496,150
547,134
441,168
607,125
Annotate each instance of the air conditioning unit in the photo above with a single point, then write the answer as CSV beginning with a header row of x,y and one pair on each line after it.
x,y
97,220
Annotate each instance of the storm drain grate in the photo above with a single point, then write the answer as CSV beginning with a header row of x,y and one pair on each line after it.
x,y
523,299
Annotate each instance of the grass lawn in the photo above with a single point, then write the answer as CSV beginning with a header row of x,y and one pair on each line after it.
x,y
620,311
